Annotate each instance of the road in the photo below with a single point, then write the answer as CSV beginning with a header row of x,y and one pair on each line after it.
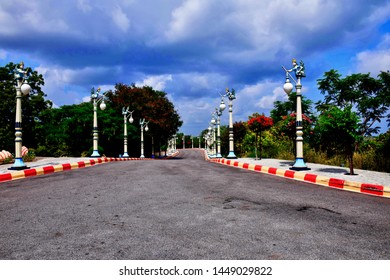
x,y
186,208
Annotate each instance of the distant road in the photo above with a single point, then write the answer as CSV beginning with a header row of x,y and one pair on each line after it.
x,y
186,208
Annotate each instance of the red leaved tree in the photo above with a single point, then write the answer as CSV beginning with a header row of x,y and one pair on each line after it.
x,y
258,123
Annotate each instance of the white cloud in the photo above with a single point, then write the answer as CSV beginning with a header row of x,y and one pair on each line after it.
x,y
84,6
120,19
156,82
375,60
186,17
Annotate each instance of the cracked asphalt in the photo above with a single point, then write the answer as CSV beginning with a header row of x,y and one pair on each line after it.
x,y
186,208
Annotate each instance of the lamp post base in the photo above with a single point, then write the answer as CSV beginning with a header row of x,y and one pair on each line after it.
x,y
125,155
299,165
18,165
95,154
231,155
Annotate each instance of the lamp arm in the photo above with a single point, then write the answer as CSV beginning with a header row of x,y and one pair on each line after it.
x,y
288,74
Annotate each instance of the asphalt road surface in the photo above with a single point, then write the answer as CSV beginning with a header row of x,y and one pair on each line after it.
x,y
186,208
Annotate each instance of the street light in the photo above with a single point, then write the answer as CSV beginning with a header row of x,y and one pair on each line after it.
x,y
97,98
288,87
125,113
143,125
219,111
214,124
22,87
231,96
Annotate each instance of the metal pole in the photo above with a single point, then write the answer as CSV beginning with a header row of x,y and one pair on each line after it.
x,y
18,164
125,154
231,136
95,129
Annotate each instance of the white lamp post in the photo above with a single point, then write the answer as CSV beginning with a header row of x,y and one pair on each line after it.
x,y
97,98
125,113
219,111
143,125
214,135
21,88
288,87
231,96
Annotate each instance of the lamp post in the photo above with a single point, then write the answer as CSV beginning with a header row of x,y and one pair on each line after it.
x,y
143,125
231,96
97,98
219,111
126,115
22,87
288,87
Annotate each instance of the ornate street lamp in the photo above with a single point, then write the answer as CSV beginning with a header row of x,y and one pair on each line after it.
x,y
126,115
22,87
288,87
219,111
143,125
97,98
214,128
231,96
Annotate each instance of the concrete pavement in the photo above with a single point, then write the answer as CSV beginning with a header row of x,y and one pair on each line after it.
x,y
368,182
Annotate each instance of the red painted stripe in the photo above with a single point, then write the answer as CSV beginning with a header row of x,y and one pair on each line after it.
x,y
372,189
310,177
336,183
228,162
272,170
245,165
235,163
48,169
100,160
30,172
5,177
92,161
66,166
81,164
289,174
258,167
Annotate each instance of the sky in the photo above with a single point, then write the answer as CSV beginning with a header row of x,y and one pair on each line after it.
x,y
194,49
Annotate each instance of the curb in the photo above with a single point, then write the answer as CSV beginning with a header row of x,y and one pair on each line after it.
x,y
58,168
370,189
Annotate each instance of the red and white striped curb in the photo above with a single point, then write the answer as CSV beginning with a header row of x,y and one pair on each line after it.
x,y
371,189
60,167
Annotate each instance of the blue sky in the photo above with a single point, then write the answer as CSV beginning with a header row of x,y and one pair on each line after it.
x,y
194,49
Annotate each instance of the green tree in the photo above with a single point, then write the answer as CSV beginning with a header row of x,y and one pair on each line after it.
x,y
154,106
339,131
288,107
258,123
368,96
33,106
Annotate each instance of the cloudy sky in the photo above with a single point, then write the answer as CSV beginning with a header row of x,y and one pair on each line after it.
x,y
194,49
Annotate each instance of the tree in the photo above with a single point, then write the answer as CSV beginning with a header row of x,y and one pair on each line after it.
x,y
154,106
33,106
286,108
339,129
368,96
258,123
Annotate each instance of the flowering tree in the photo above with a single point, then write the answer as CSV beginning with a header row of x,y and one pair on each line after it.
x,y
258,123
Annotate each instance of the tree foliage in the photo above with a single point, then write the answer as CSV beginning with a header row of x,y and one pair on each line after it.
x,y
33,106
367,95
258,123
339,131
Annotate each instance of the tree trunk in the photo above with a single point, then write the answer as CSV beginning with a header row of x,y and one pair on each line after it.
x,y
260,145
350,158
255,146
